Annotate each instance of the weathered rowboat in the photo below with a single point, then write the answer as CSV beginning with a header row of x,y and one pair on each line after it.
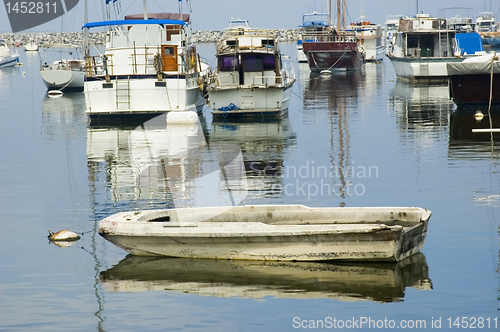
x,y
271,232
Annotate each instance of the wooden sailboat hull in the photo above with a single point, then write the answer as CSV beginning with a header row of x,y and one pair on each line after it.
x,y
332,55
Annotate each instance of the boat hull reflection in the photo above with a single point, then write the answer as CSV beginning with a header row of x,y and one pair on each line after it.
x,y
263,144
223,278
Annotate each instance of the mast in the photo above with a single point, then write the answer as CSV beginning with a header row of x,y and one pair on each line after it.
x,y
86,32
338,15
329,12
145,7
108,14
180,9
343,15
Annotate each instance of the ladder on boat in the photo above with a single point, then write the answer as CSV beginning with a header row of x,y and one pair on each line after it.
x,y
424,68
123,94
443,45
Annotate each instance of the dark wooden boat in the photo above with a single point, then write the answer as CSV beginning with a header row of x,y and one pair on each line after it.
x,y
471,80
330,48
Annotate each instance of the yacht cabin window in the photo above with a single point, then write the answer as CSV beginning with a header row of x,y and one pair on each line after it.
x,y
228,63
259,62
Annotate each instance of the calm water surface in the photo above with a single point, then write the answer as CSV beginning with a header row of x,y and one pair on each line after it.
x,y
357,139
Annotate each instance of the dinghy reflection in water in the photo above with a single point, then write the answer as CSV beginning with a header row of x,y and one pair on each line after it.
x,y
385,282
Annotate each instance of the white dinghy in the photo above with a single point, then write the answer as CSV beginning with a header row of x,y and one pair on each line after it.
x,y
271,232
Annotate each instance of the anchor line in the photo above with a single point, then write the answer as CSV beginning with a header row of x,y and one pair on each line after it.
x,y
491,95
316,64
69,82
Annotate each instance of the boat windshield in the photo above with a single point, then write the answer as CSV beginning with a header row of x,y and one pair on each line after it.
x,y
239,24
315,19
259,62
228,63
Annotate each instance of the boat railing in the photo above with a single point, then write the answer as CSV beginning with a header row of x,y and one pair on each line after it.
x,y
139,61
235,48
266,80
347,37
248,32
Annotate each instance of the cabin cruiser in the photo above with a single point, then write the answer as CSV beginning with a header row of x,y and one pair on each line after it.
x,y
422,47
251,78
150,66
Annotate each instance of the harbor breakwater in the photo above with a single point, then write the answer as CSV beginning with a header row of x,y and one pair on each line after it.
x,y
48,39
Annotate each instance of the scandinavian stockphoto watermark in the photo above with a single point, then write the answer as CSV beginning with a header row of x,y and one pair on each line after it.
x,y
309,179
25,15
368,323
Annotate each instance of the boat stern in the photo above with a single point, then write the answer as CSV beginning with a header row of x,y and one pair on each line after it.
x,y
413,239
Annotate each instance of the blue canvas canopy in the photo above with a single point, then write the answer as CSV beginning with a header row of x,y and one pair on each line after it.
x,y
469,43
131,22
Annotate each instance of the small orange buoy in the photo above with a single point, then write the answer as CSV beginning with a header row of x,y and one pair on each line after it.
x,y
64,235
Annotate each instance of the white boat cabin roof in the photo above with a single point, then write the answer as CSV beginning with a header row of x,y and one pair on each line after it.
x,y
315,19
236,24
263,41
422,23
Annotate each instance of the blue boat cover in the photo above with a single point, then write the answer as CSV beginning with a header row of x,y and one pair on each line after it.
x,y
469,43
131,22
314,24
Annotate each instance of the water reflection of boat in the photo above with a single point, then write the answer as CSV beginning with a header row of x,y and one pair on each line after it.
x,y
463,120
63,114
329,89
421,106
160,162
262,145
463,143
301,280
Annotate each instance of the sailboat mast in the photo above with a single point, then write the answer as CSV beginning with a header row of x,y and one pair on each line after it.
x,y
145,7
108,14
86,31
329,12
338,15
343,15
180,9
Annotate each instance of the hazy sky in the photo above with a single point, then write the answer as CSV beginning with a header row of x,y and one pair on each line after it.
x,y
272,14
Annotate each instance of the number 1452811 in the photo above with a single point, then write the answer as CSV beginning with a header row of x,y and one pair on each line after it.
x,y
25,7
473,322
